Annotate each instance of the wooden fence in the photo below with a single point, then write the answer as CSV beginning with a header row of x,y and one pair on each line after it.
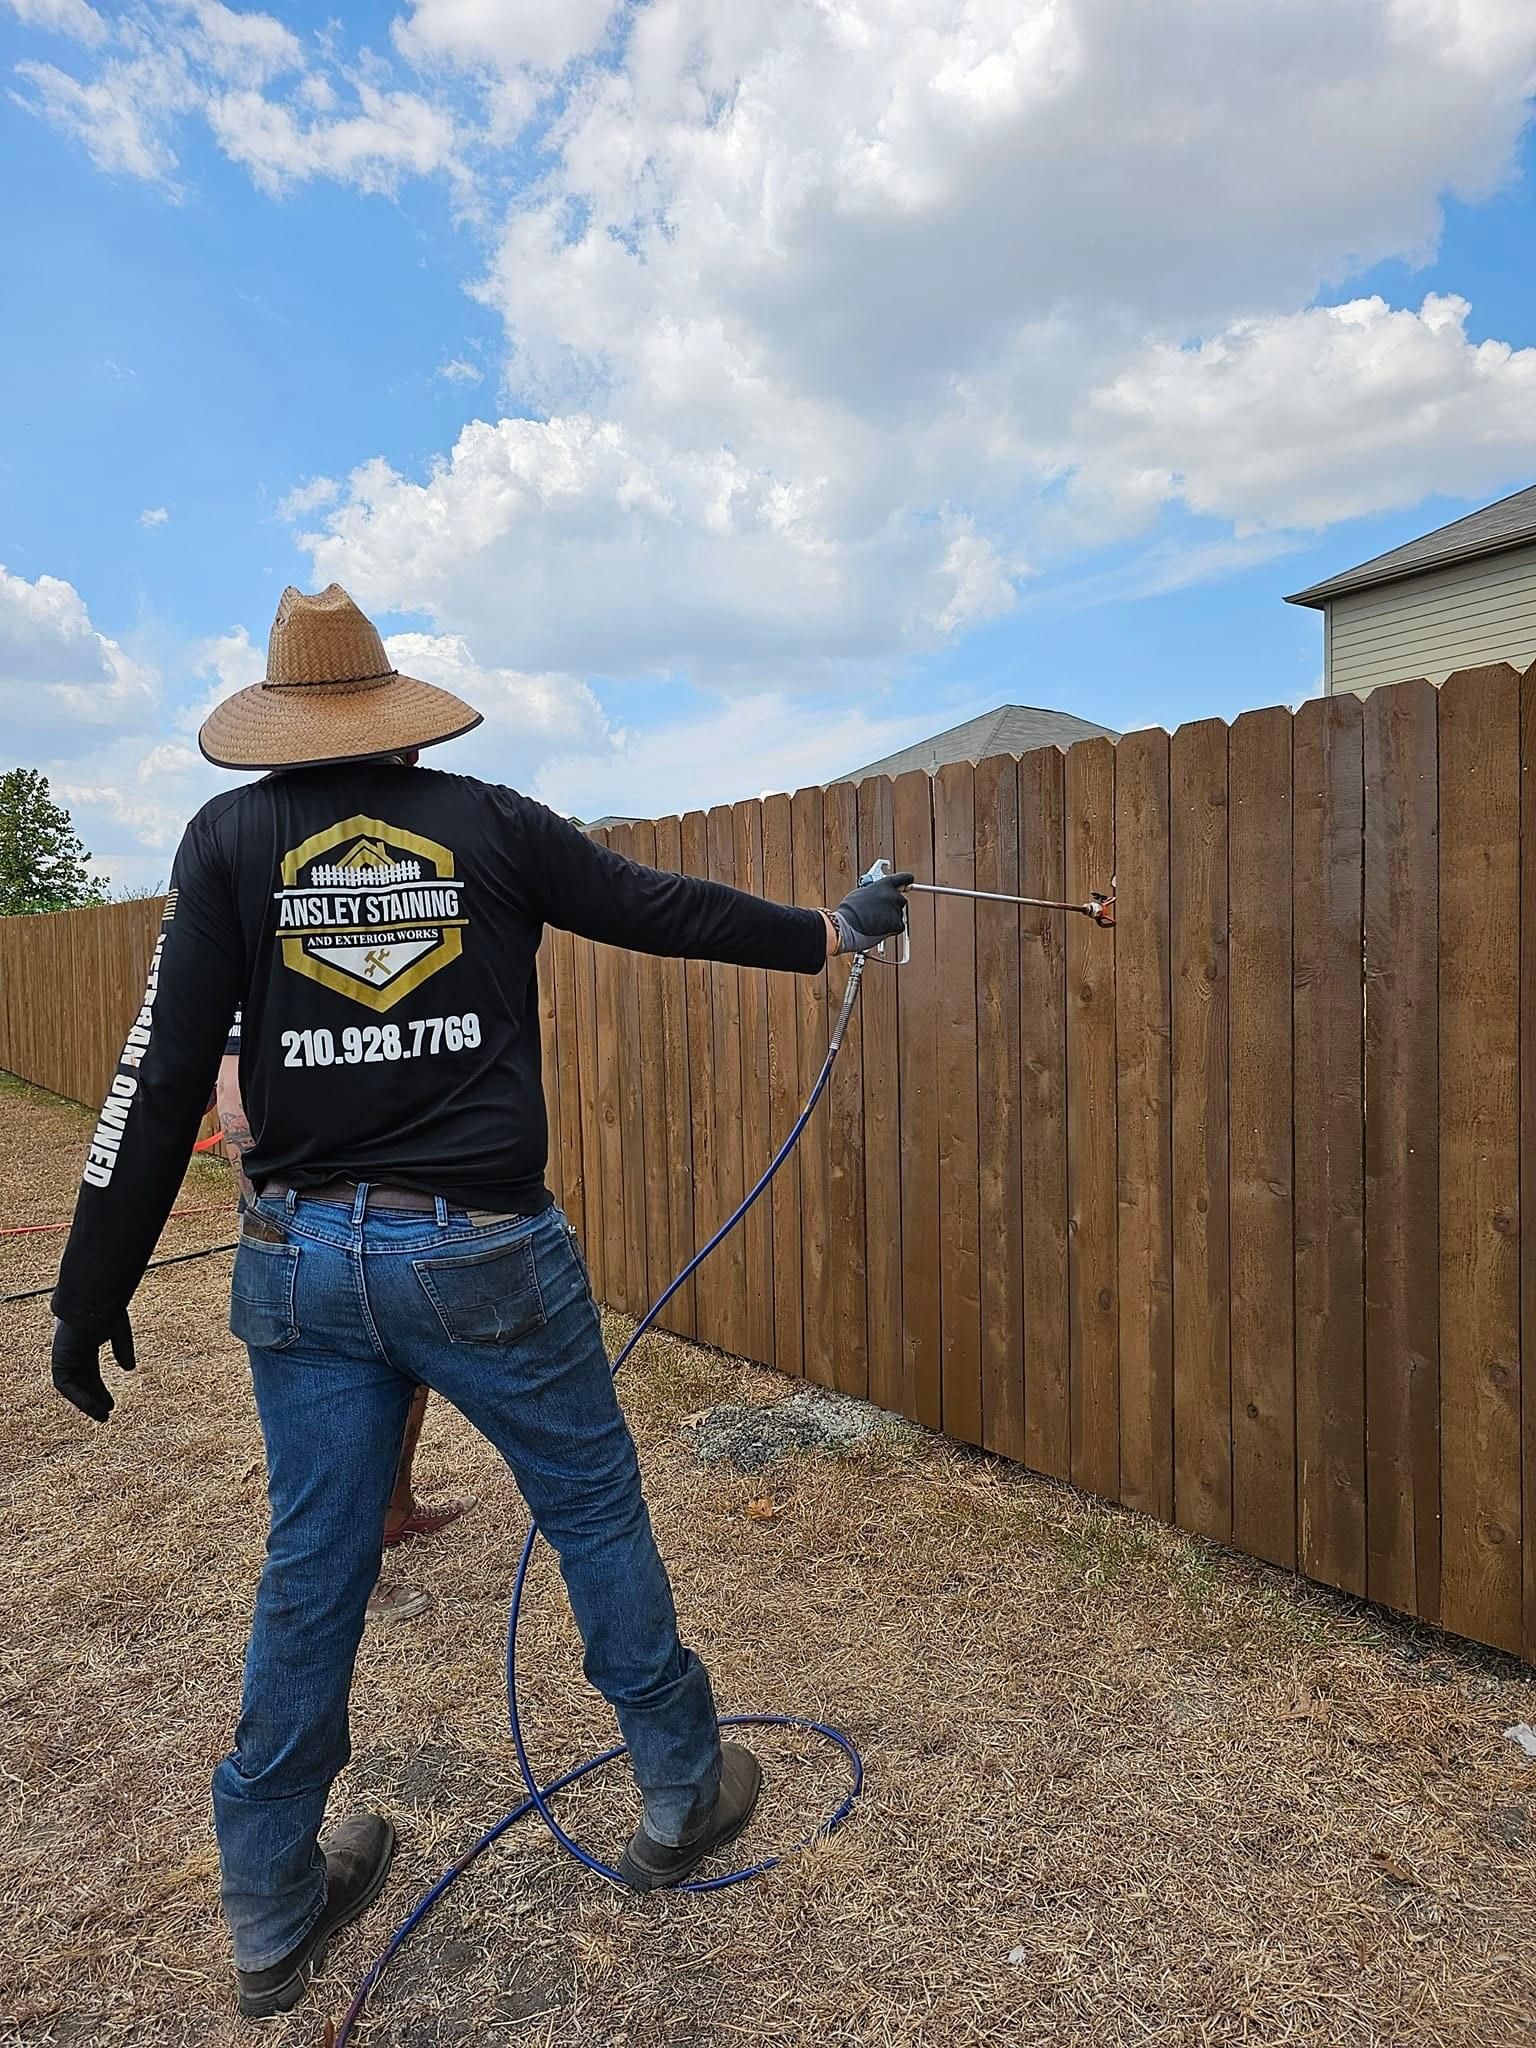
x,y
70,985
1217,1215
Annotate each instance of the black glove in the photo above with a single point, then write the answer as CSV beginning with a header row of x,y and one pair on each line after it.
x,y
77,1364
871,913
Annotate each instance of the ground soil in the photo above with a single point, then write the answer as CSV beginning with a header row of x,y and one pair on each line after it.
x,y
1123,1788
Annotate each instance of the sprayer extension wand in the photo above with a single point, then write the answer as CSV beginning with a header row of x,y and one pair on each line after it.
x,y
1100,908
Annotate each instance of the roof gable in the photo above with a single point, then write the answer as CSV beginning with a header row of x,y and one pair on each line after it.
x,y
1009,729
1508,523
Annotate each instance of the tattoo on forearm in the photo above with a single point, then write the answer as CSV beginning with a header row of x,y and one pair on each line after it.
x,y
237,1142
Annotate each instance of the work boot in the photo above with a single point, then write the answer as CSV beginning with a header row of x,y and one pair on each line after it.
x,y
390,1602
357,1854
427,1517
648,1865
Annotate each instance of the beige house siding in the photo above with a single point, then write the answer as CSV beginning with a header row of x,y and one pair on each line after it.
x,y
1433,623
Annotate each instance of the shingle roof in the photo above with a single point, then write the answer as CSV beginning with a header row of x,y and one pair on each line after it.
x,y
1505,524
1010,729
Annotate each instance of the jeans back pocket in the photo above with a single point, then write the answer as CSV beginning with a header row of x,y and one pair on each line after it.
x,y
261,1295
487,1296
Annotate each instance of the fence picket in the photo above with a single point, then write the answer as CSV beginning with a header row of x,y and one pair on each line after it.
x,y
1202,1394
1144,1118
1402,1153
650,1078
954,864
1043,1112
1263,1259
783,1063
1480,1582
1092,1193
707,1211
594,1186
725,1079
1327,828
757,1132
997,1057
845,1121
679,1314
1527,915
916,988
820,1337
878,1007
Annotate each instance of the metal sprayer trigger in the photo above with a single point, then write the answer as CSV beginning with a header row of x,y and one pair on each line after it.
x,y
877,873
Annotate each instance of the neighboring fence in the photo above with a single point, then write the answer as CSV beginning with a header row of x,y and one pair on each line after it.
x,y
70,985
1218,1215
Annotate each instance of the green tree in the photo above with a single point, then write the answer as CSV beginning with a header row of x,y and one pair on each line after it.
x,y
42,863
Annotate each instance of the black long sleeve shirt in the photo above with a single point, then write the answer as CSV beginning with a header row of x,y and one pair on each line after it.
x,y
376,926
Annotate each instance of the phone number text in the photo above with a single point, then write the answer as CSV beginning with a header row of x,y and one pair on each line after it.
x,y
363,1045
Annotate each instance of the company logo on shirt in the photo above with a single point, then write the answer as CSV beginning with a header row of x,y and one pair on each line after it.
x,y
369,910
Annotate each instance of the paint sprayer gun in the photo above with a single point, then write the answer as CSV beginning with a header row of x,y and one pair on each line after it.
x,y
1099,907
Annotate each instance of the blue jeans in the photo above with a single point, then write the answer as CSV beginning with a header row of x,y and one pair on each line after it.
x,y
343,1320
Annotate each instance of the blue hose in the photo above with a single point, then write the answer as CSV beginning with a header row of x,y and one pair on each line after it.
x,y
538,1798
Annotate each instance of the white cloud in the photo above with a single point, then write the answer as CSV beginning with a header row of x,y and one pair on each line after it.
x,y
617,553
1300,419
535,35
836,320
458,371
309,497
123,118
529,718
62,17
246,49
165,65
392,133
226,663
131,803
63,684
154,515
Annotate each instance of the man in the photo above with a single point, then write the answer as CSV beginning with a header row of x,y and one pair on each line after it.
x,y
377,925
390,1601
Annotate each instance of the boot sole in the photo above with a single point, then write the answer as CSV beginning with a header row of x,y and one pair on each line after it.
x,y
639,1880
272,2005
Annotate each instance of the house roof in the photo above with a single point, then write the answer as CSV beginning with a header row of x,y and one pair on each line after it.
x,y
1010,729
1505,524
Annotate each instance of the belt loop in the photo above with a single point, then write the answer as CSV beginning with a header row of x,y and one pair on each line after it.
x,y
441,1211
360,1203
290,1199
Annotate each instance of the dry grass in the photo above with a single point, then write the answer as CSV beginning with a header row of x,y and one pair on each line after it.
x,y
1200,1802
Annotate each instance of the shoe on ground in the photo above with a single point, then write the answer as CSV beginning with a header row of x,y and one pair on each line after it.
x,y
357,1856
428,1516
648,1865
390,1602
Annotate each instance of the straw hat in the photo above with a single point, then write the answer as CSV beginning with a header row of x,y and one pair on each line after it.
x,y
329,695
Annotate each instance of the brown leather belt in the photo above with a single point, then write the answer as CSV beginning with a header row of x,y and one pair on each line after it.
x,y
380,1196
345,1192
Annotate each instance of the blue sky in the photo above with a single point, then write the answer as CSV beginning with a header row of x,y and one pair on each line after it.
x,y
829,387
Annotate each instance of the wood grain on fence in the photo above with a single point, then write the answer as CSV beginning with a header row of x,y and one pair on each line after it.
x,y
1222,1215
1328,1015
1144,1124
1261,1283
